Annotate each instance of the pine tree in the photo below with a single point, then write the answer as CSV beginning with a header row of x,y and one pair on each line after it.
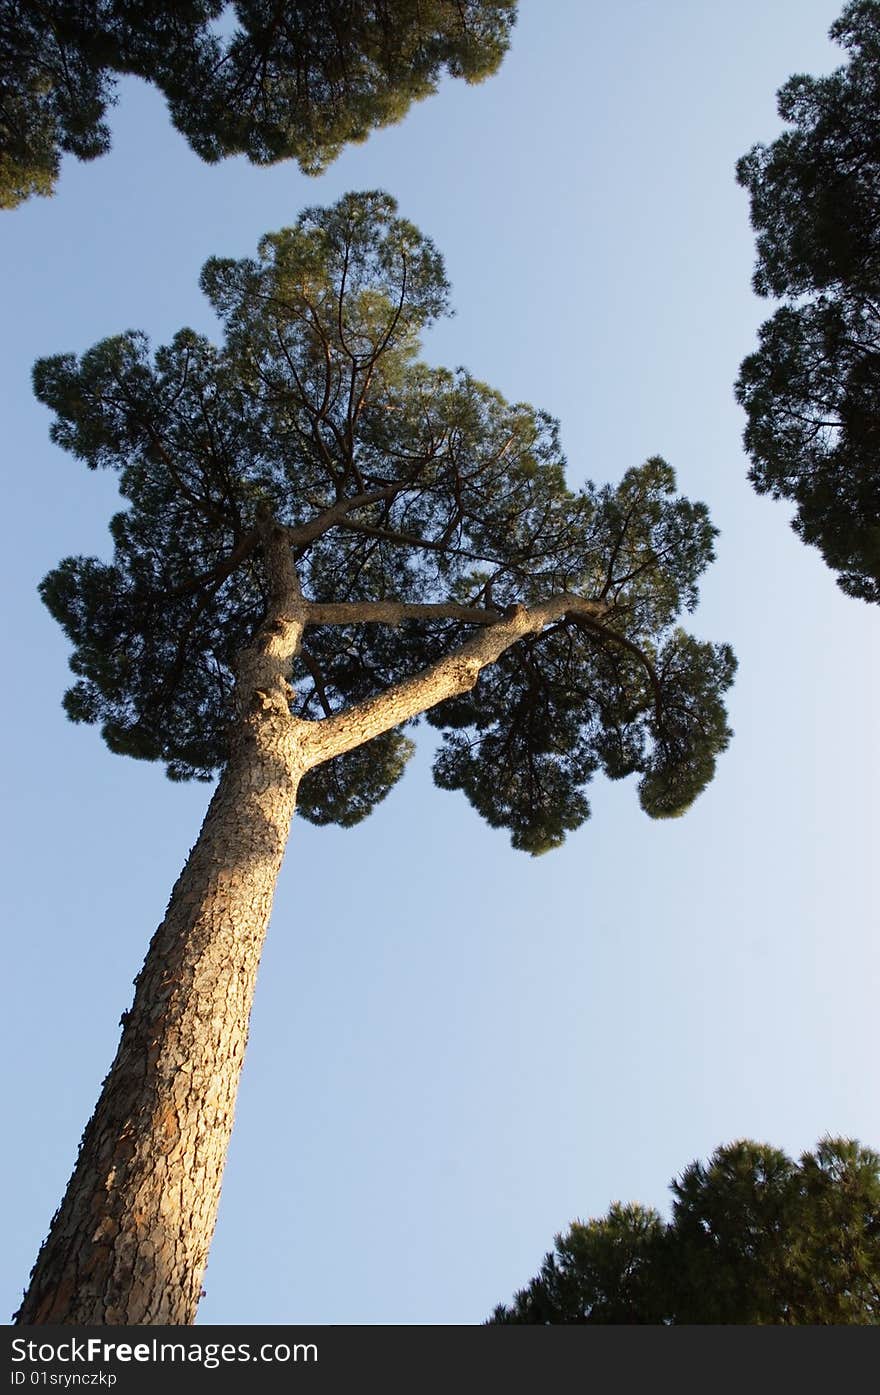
x,y
754,1238
812,389
323,540
295,79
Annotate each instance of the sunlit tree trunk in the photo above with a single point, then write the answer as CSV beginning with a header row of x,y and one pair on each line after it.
x,y
130,1240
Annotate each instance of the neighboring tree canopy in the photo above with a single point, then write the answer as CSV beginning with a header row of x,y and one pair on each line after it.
x,y
812,390
754,1238
296,78
394,482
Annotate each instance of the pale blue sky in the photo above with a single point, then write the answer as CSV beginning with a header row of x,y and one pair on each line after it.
x,y
456,1049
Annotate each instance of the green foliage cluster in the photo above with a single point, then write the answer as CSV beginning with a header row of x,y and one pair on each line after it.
x,y
397,481
295,78
812,389
754,1238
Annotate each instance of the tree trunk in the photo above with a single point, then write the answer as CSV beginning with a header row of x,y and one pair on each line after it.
x,y
130,1240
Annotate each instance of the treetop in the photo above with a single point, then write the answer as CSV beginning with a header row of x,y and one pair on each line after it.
x,y
815,190
754,1238
398,485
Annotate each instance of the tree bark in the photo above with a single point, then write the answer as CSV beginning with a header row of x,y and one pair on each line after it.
x,y
130,1240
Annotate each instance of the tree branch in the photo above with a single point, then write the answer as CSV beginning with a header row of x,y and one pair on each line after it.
x,y
407,539
308,532
395,612
596,628
449,676
243,549
316,672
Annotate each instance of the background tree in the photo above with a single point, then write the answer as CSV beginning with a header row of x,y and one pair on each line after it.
x,y
600,1272
325,538
296,78
754,1238
812,390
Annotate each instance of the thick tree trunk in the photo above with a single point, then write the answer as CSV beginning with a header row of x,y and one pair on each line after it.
x,y
130,1240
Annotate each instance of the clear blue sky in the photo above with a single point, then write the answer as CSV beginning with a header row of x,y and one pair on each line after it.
x,y
456,1049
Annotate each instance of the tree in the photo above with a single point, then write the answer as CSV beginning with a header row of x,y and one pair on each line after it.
x,y
754,1238
600,1272
324,539
297,78
812,389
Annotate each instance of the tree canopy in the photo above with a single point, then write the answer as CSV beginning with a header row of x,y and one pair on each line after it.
x,y
325,539
812,389
294,78
754,1238
407,494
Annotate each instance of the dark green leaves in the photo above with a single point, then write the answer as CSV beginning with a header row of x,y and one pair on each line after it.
x,y
154,666
58,63
345,790
329,299
812,394
396,482
626,694
302,79
760,1239
516,747
603,1271
688,723
814,191
554,710
297,79
812,391
754,1238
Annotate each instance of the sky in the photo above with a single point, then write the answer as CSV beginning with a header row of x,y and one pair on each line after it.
x,y
457,1049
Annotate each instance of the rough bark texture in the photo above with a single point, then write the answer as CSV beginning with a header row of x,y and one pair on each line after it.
x,y
130,1241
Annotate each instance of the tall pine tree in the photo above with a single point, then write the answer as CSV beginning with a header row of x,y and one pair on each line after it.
x,y
324,539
